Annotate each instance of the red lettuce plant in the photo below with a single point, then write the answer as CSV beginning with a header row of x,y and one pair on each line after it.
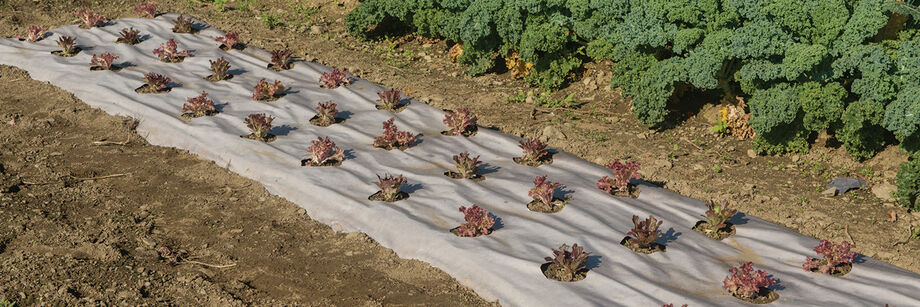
x,y
622,173
90,19
103,61
567,265
743,282
183,24
264,91
543,190
534,152
835,256
129,36
390,187
219,69
260,125
156,82
717,216
229,40
325,114
147,9
334,79
281,59
68,45
644,233
324,152
169,52
460,122
389,100
393,138
478,222
36,33
199,106
467,167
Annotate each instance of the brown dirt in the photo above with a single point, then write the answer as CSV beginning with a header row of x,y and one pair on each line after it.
x,y
554,272
74,234
555,206
703,228
686,158
651,249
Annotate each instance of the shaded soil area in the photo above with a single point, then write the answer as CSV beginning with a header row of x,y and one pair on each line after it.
x,y
87,204
686,158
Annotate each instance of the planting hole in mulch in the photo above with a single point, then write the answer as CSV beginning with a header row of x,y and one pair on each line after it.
x,y
237,46
273,98
267,139
631,192
61,53
765,296
178,59
555,206
189,116
379,197
115,68
456,175
718,234
213,78
653,248
403,147
468,132
554,272
317,122
272,67
309,162
545,160
148,89
399,108
456,232
839,270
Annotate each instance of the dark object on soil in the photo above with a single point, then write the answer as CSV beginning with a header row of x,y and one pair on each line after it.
x,y
718,234
456,175
379,197
652,248
842,185
545,160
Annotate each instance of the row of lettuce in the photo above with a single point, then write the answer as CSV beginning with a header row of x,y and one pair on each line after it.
x,y
848,67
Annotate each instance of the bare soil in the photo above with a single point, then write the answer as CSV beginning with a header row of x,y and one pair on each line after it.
x,y
686,157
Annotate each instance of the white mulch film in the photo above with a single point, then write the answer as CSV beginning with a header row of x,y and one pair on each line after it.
x,y
504,265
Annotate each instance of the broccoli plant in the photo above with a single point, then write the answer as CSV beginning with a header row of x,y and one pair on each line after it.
x,y
543,193
198,106
147,9
128,36
183,24
219,70
622,174
716,225
749,285
281,59
105,61
478,222
392,138
460,122
229,41
259,126
565,264
389,188
334,79
36,33
169,52
390,100
641,238
154,83
838,258
68,46
325,114
324,153
90,19
264,91
535,153
467,167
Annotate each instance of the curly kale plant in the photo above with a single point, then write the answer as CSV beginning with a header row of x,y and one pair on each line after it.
x,y
909,185
478,222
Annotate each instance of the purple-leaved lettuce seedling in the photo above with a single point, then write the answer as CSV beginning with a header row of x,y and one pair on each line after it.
x,y
334,79
183,24
325,114
543,190
460,122
392,138
324,153
281,59
644,233
147,9
128,36
622,174
745,283
156,82
467,167
36,33
390,187
389,100
199,106
68,45
567,265
219,69
229,40
835,257
478,222
535,153
89,18
265,91
259,125
169,52
104,61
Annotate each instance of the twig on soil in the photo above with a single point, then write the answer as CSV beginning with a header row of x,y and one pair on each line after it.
x,y
100,177
846,229
910,234
207,264
694,145
103,143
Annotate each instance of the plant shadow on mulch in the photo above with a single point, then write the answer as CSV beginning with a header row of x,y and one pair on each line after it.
x,y
486,168
410,188
282,130
738,219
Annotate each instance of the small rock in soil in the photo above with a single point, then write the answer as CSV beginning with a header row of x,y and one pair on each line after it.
x,y
883,191
842,184
552,133
829,192
317,29
751,154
